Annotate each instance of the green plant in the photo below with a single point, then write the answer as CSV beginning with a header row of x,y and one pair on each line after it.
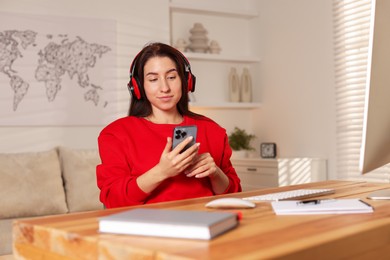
x,y
239,139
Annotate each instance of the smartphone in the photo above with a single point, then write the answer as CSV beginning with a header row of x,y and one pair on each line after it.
x,y
182,132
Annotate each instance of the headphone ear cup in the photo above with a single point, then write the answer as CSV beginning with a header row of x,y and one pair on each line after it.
x,y
191,82
134,88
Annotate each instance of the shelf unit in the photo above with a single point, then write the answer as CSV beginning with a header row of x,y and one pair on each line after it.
x,y
217,63
257,173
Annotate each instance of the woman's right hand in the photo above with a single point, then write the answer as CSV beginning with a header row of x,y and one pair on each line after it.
x,y
172,162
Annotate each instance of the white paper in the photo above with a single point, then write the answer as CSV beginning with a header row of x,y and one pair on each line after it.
x,y
339,206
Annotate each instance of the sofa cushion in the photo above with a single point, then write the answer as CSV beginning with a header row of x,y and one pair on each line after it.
x,y
31,185
79,171
5,236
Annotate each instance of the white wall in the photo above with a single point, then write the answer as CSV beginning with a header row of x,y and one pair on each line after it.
x,y
295,77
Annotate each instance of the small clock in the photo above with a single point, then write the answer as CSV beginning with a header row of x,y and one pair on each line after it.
x,y
268,150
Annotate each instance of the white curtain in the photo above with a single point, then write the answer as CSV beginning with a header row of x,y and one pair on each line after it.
x,y
351,21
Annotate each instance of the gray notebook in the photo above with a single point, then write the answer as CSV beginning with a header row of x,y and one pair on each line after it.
x,y
169,223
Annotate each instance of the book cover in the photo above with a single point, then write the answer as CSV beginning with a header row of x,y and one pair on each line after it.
x,y
169,223
327,206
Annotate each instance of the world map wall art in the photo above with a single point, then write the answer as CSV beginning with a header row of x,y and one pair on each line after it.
x,y
56,70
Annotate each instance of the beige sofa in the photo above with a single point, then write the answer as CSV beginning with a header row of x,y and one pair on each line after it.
x,y
58,181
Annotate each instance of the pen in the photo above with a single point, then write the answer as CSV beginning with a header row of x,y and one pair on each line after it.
x,y
362,201
313,202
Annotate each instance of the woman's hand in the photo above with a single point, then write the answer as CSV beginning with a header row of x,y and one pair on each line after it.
x,y
202,166
205,166
172,162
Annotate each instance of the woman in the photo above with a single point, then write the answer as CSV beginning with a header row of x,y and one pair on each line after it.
x,y
138,163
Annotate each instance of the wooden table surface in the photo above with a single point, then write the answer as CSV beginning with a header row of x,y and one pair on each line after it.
x,y
261,234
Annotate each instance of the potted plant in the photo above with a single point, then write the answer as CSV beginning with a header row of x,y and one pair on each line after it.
x,y
239,141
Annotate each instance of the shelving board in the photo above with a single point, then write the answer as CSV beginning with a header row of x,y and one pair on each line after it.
x,y
220,57
221,11
226,105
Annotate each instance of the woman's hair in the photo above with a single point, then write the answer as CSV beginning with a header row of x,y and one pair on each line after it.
x,y
142,107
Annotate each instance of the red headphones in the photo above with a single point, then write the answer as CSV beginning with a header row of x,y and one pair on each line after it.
x,y
134,83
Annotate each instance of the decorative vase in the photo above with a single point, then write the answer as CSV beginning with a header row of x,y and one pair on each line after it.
x,y
181,45
198,39
234,86
246,86
214,47
239,154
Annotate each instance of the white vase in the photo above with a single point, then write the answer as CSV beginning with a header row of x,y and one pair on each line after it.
x,y
214,47
234,86
246,86
181,45
239,154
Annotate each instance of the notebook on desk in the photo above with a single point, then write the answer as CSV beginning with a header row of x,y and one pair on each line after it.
x,y
327,206
169,223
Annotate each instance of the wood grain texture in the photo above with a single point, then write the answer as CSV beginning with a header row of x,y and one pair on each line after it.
x,y
261,234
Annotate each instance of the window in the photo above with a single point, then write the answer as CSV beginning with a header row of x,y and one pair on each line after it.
x,y
351,21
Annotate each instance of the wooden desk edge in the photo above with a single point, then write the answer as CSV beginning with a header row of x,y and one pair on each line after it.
x,y
34,238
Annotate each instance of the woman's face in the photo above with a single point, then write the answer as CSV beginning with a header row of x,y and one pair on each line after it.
x,y
162,84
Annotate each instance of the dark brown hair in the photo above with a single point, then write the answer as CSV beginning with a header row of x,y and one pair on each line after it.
x,y
142,107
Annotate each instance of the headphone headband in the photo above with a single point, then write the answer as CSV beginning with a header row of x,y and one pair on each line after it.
x,y
134,84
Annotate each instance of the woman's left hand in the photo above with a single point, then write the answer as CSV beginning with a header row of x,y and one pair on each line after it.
x,y
203,166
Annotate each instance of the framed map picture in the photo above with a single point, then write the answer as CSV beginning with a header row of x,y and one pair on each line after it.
x,y
57,70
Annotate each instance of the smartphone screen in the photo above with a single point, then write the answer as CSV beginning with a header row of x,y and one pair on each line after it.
x,y
182,132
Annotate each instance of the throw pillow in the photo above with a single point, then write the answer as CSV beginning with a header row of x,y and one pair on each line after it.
x,y
79,171
31,185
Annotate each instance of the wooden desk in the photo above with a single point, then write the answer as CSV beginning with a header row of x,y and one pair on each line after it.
x,y
261,234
